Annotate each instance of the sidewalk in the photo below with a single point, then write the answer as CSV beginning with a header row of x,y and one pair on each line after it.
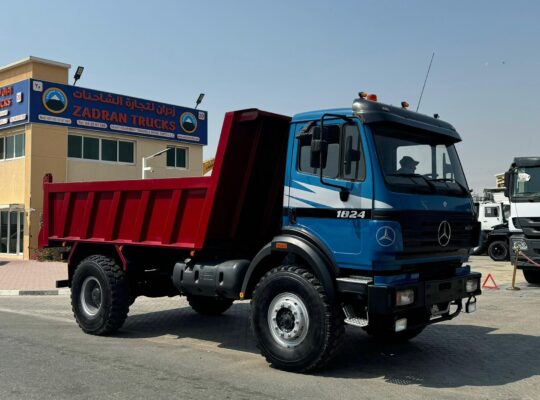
x,y
18,277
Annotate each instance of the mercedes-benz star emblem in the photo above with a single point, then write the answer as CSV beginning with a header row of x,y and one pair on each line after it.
x,y
444,233
386,236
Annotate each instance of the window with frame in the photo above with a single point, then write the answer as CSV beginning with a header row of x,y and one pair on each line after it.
x,y
100,149
344,159
491,212
12,146
177,157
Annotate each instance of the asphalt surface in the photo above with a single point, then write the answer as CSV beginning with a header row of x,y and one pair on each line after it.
x,y
165,350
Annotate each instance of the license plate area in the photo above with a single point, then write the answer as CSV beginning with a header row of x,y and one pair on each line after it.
x,y
443,291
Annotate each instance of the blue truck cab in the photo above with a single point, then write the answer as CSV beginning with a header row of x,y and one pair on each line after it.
x,y
379,192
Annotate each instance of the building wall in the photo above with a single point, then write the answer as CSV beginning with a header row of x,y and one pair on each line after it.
x,y
79,170
21,180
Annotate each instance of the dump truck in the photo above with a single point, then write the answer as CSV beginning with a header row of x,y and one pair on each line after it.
x,y
358,216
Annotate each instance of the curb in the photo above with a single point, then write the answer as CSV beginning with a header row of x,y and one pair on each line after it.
x,y
55,292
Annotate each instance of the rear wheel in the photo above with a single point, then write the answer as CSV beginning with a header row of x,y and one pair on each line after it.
x,y
296,326
498,250
99,295
209,305
532,276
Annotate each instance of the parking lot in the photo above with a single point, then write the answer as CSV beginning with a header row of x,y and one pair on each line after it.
x,y
165,350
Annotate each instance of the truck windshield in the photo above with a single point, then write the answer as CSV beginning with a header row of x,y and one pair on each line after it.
x,y
415,161
526,182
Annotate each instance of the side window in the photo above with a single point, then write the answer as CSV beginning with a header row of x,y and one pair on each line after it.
x,y
492,212
332,136
344,159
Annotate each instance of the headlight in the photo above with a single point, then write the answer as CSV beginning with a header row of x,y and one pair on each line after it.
x,y
519,244
404,297
471,285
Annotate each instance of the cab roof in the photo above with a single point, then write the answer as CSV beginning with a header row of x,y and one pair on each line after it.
x,y
373,111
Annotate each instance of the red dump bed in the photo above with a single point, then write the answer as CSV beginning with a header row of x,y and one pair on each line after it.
x,y
240,202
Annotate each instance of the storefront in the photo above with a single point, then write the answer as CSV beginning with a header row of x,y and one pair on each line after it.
x,y
80,134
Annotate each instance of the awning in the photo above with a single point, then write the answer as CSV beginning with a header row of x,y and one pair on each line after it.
x,y
11,207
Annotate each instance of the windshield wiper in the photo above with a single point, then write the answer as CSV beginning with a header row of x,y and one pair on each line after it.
x,y
461,186
430,184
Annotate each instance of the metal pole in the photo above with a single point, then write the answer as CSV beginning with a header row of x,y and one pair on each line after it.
x,y
143,167
515,268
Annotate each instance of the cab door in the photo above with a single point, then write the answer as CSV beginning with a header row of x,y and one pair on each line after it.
x,y
317,206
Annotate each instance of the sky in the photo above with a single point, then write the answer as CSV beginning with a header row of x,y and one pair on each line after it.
x,y
294,56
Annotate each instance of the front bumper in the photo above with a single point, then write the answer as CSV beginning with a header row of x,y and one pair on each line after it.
x,y
434,301
532,251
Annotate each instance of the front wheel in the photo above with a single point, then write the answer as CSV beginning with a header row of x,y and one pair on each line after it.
x,y
295,325
498,250
532,276
99,295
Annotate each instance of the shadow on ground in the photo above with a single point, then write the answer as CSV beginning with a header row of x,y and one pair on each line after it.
x,y
443,356
2,263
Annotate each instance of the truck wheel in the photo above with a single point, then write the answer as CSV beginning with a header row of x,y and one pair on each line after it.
x,y
296,327
481,248
531,276
498,250
209,305
99,295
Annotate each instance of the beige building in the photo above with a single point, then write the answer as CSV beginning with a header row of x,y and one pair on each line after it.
x,y
41,133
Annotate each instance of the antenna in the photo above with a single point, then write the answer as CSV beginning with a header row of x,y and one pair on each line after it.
x,y
425,80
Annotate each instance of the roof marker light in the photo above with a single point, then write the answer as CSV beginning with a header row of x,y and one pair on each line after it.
x,y
372,97
404,105
362,95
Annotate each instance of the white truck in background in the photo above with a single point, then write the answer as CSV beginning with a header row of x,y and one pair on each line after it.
x,y
493,217
522,182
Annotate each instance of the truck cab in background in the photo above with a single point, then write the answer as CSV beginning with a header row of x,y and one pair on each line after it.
x,y
358,216
522,182
493,219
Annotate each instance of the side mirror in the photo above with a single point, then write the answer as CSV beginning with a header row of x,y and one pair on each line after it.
x,y
319,149
351,155
507,183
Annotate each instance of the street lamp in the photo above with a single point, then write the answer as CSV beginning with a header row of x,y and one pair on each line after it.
x,y
199,99
144,159
78,74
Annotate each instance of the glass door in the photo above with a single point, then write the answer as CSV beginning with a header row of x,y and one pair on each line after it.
x,y
11,232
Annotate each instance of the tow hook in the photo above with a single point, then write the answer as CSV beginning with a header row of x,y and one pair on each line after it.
x,y
470,307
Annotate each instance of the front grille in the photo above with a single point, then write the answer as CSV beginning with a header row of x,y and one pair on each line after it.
x,y
421,231
529,226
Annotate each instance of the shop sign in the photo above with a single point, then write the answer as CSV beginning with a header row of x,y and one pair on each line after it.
x,y
14,104
77,107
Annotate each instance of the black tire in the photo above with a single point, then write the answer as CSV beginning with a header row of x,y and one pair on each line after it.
x,y
302,310
482,244
498,250
99,295
209,305
396,337
532,276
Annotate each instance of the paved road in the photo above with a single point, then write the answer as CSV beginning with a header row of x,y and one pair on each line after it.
x,y
167,351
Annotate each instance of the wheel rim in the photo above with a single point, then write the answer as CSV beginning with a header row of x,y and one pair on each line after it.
x,y
91,296
288,320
